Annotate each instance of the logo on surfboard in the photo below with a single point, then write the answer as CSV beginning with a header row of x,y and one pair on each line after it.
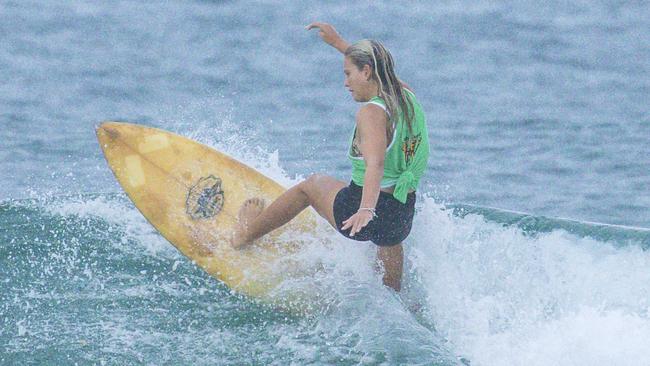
x,y
205,198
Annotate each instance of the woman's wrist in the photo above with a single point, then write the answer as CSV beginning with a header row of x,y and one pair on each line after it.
x,y
340,44
371,210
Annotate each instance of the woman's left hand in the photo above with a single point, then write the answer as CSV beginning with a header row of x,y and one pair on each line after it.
x,y
357,221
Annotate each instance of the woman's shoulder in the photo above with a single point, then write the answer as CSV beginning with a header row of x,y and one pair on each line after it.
x,y
372,109
375,101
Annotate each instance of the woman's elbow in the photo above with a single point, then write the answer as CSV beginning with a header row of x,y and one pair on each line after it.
x,y
375,164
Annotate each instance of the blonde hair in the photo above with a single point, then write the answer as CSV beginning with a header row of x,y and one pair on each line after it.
x,y
374,54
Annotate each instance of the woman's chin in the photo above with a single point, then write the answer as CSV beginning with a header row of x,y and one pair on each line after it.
x,y
359,99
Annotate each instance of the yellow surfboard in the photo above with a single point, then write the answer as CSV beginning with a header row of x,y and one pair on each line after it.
x,y
191,194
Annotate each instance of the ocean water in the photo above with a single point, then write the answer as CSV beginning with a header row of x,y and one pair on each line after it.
x,y
530,241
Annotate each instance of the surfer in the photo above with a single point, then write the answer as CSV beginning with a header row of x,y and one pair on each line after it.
x,y
388,150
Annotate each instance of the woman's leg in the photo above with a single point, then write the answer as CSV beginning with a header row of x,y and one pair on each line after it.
x,y
392,259
256,221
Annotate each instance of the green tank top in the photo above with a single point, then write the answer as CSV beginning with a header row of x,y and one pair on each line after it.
x,y
406,156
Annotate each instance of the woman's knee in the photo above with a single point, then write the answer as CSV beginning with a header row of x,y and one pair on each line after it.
x,y
310,185
315,178
320,189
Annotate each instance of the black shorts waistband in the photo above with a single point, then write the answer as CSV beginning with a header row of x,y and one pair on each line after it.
x,y
357,189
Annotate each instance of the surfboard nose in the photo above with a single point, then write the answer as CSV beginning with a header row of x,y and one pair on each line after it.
x,y
108,130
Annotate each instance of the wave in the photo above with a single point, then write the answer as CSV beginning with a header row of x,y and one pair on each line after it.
x,y
492,284
90,271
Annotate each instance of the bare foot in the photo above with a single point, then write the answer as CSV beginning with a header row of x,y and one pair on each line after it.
x,y
249,210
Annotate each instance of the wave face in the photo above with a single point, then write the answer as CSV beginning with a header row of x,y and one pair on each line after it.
x,y
86,278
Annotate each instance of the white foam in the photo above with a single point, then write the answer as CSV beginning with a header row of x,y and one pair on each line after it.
x,y
119,213
505,298
587,336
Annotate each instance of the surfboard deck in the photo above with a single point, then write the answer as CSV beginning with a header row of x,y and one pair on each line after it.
x,y
192,193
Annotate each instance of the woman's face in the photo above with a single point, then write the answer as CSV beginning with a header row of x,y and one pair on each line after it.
x,y
358,81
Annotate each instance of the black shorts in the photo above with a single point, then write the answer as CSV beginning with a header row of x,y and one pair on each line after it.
x,y
392,224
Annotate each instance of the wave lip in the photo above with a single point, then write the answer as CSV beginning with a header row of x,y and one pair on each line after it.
x,y
619,235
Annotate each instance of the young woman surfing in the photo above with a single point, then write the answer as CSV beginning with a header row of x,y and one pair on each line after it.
x,y
389,149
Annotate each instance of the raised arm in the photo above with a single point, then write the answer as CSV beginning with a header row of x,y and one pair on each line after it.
x,y
329,35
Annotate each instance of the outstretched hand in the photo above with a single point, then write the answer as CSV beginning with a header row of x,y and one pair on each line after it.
x,y
329,35
357,222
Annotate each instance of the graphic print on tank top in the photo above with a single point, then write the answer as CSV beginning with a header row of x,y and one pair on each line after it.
x,y
410,146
